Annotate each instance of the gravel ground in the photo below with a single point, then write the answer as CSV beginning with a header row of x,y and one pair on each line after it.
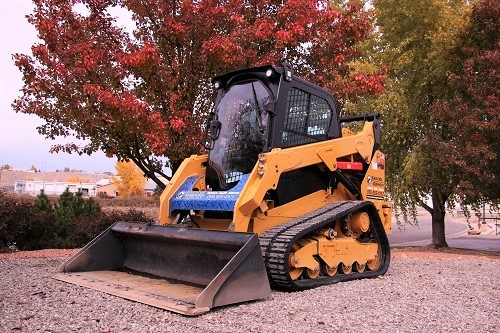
x,y
421,292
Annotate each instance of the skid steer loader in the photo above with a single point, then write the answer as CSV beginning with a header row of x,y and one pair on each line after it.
x,y
285,198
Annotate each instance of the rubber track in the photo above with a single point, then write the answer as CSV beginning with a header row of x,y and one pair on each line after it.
x,y
277,242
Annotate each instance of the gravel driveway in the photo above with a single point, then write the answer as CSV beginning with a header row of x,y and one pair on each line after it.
x,y
420,293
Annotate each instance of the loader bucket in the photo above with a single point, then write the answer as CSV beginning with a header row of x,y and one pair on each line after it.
x,y
187,271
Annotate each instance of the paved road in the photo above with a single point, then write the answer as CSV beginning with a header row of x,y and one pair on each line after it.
x,y
456,235
484,244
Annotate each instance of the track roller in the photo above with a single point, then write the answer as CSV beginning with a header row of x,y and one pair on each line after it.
x,y
343,241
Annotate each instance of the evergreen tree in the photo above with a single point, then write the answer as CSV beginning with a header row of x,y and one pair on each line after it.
x,y
91,208
43,203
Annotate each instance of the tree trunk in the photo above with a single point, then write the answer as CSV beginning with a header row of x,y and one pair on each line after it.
x,y
157,181
438,230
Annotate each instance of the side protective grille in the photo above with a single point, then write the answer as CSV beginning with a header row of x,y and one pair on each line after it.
x,y
308,118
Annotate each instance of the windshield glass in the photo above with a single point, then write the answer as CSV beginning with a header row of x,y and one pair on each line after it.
x,y
243,116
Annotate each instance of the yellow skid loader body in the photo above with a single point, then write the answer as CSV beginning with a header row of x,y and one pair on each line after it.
x,y
285,196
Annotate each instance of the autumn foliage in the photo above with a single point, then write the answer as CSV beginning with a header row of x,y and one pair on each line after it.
x,y
441,110
144,97
130,181
471,115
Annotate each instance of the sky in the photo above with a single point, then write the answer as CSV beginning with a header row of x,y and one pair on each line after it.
x,y
20,144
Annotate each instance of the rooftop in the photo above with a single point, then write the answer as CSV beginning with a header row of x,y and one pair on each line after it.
x,y
9,177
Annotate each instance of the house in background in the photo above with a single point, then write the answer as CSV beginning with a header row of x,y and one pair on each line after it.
x,y
52,183
107,190
8,177
55,183
111,190
151,187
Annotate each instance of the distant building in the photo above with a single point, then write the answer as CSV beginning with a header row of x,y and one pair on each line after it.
x,y
8,178
52,183
150,187
108,190
111,190
55,183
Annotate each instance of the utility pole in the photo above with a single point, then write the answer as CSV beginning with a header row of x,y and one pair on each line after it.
x,y
44,166
484,213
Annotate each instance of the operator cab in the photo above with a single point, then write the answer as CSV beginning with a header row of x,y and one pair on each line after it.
x,y
239,130
259,109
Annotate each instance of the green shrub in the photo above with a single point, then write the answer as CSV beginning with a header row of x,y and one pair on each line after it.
x,y
15,221
72,222
43,203
85,228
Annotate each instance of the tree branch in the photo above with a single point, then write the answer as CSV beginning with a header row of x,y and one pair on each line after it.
x,y
426,207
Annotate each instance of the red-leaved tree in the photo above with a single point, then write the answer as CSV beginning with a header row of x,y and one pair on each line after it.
x,y
144,97
471,116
